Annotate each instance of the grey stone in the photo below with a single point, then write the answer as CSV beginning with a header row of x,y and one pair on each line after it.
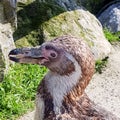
x,y
110,18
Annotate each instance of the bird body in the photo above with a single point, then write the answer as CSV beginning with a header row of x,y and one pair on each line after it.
x,y
60,95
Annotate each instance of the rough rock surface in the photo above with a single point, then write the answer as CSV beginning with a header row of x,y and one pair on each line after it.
x,y
6,40
110,18
104,89
81,24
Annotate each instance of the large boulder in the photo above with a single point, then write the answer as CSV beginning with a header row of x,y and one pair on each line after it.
x,y
81,24
6,38
110,17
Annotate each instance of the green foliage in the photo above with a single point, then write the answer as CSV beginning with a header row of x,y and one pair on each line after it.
x,y
100,64
18,89
112,37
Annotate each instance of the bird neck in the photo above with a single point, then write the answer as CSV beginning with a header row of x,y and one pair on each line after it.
x,y
60,85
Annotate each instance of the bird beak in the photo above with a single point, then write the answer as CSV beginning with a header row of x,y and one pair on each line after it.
x,y
27,55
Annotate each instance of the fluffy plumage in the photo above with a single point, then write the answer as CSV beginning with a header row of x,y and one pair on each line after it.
x,y
60,95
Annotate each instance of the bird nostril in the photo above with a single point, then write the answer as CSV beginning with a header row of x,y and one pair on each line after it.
x,y
26,52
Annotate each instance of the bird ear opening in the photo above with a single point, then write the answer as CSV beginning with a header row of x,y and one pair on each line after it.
x,y
69,56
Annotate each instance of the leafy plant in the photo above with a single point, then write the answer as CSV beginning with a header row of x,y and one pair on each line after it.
x,y
100,64
18,89
112,37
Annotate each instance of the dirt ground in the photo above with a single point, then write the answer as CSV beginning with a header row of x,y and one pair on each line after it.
x,y
104,89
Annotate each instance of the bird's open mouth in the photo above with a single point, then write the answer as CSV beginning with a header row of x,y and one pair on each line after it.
x,y
14,59
19,56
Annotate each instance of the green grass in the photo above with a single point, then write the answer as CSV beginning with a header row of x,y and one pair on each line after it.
x,y
18,89
112,37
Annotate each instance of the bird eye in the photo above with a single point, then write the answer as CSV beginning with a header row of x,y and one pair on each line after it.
x,y
54,55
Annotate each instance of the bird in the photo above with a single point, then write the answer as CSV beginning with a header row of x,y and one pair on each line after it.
x,y
61,93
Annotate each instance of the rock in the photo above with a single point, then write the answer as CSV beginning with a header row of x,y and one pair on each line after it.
x,y
110,18
6,40
91,5
68,4
10,11
1,13
81,24
6,44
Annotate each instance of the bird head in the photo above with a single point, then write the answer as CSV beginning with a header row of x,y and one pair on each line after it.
x,y
68,56
54,58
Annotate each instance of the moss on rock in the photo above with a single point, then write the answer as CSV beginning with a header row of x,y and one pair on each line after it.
x,y
82,24
67,23
30,18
